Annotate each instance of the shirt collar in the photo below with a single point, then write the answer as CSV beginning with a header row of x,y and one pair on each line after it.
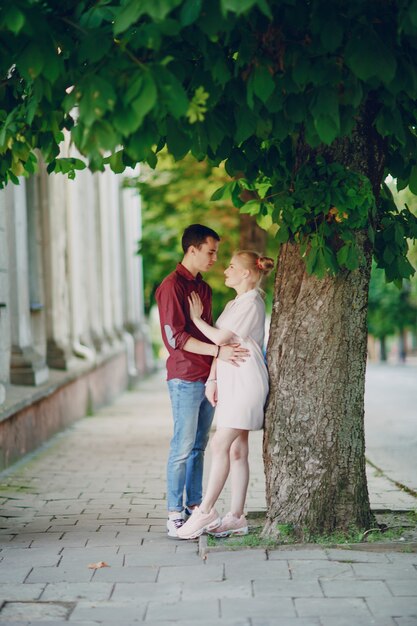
x,y
182,271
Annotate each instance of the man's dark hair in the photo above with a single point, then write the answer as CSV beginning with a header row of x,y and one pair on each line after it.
x,y
196,235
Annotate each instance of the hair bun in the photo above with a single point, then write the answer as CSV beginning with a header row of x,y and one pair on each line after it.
x,y
265,264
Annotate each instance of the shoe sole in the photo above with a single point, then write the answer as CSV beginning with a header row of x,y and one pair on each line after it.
x,y
238,532
205,529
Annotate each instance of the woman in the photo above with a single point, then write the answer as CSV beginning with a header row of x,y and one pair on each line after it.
x,y
239,394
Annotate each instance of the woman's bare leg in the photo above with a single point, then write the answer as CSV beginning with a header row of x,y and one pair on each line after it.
x,y
239,472
220,465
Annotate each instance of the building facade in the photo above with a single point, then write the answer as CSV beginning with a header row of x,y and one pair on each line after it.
x,y
72,327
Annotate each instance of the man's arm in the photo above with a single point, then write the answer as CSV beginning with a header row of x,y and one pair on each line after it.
x,y
233,353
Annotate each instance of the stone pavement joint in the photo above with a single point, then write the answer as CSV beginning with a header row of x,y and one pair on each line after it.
x,y
97,493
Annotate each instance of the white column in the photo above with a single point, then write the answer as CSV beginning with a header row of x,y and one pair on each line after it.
x,y
105,259
27,367
132,227
53,201
4,301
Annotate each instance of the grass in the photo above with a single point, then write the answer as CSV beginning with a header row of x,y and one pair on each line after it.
x,y
391,531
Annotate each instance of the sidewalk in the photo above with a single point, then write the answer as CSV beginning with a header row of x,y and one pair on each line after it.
x,y
97,493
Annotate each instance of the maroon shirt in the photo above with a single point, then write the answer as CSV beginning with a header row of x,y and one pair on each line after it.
x,y
177,327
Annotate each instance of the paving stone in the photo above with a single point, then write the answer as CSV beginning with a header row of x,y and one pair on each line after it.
x,y
32,611
257,607
265,587
23,591
113,612
221,589
357,556
31,557
135,591
402,587
394,571
200,572
354,607
252,571
184,610
126,574
78,573
295,553
393,607
287,621
329,570
354,588
14,573
90,555
238,558
346,620
72,592
160,559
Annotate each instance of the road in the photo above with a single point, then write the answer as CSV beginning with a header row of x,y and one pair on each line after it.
x,y
391,421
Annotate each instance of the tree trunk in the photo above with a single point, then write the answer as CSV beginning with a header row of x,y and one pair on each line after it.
x,y
383,348
314,448
252,236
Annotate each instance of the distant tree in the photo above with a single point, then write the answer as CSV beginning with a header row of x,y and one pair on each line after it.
x,y
391,310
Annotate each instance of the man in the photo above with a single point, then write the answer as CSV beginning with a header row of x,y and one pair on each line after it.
x,y
188,367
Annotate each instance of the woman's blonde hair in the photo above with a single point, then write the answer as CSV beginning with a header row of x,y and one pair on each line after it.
x,y
253,261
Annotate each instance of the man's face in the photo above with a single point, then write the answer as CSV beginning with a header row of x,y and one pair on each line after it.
x,y
205,256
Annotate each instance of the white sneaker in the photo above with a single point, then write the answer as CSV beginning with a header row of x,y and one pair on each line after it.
x,y
199,523
173,524
231,525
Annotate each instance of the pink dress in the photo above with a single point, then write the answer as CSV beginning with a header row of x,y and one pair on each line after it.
x,y
242,391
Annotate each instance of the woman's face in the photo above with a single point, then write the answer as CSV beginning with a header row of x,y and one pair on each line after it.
x,y
235,273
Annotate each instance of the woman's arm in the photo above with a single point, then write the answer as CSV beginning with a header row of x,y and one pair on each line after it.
x,y
211,384
216,335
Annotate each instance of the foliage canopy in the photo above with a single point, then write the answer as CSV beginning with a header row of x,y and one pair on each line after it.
x,y
241,81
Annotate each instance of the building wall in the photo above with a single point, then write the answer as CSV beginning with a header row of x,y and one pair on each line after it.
x,y
72,326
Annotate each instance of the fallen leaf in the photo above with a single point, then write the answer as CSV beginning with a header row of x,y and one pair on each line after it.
x,y
98,565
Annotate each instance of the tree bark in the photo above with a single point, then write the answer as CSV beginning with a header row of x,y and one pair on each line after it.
x,y
252,236
314,448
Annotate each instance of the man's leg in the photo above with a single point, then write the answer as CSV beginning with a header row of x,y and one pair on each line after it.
x,y
186,398
195,462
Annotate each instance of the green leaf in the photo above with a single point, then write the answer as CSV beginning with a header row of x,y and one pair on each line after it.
x,y
31,61
283,234
146,99
331,34
237,6
190,11
311,259
224,192
127,15
412,183
368,56
252,207
14,19
178,141
326,129
126,120
116,162
173,93
262,82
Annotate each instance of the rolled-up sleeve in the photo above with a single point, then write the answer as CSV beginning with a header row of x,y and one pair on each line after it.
x,y
172,318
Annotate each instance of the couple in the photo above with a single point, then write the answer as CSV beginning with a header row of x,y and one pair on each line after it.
x,y
212,367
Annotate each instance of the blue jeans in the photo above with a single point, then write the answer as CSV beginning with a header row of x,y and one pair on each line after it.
x,y
193,415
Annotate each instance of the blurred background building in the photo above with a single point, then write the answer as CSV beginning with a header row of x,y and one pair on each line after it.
x,y
72,324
